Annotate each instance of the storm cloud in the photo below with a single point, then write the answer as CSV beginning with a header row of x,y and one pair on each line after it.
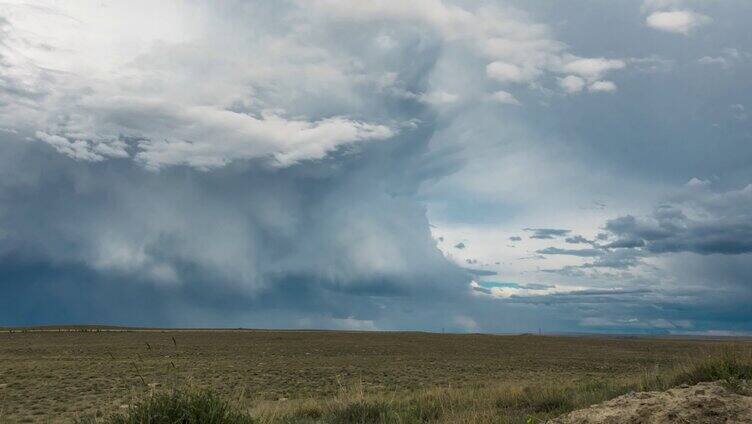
x,y
546,233
723,225
324,164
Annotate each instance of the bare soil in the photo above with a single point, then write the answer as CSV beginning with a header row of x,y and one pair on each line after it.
x,y
710,403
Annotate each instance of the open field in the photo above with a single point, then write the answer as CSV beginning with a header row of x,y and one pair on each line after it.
x,y
57,376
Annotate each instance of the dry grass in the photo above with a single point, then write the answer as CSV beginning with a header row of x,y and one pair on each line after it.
x,y
331,376
500,403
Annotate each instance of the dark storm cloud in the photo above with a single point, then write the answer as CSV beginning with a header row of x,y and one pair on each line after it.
x,y
725,228
604,257
585,253
301,240
625,244
584,297
175,219
40,293
515,238
722,225
593,292
577,239
618,259
479,272
546,233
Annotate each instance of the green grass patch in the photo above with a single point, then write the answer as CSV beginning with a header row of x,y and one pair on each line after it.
x,y
180,407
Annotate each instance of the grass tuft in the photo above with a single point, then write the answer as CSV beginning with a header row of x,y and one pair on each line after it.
x,y
724,366
362,412
180,407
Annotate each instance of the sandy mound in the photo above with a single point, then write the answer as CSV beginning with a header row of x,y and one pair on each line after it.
x,y
702,403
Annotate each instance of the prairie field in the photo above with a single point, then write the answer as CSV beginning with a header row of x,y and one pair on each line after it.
x,y
65,375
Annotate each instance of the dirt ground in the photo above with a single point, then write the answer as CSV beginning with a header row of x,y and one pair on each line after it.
x,y
704,403
57,375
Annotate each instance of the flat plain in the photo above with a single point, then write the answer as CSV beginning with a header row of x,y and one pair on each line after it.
x,y
58,375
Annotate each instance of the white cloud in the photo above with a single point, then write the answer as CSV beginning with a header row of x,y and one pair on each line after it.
x,y
588,72
76,149
651,64
450,21
677,21
167,94
708,60
507,72
113,148
592,68
695,182
604,86
729,56
518,50
207,137
572,84
438,98
244,136
505,97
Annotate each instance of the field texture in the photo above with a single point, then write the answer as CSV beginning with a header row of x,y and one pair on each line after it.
x,y
61,375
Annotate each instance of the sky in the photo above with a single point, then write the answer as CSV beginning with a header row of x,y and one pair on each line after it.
x,y
465,166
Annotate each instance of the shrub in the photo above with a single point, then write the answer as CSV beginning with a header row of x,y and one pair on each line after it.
x,y
180,407
729,365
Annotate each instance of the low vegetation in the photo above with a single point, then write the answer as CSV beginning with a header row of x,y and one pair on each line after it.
x,y
179,407
531,403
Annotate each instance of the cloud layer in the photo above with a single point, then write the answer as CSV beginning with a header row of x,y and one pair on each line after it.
x,y
492,166
677,21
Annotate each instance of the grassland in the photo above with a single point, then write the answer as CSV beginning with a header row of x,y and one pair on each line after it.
x,y
305,376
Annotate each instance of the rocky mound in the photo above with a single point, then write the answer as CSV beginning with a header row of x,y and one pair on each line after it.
x,y
710,403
